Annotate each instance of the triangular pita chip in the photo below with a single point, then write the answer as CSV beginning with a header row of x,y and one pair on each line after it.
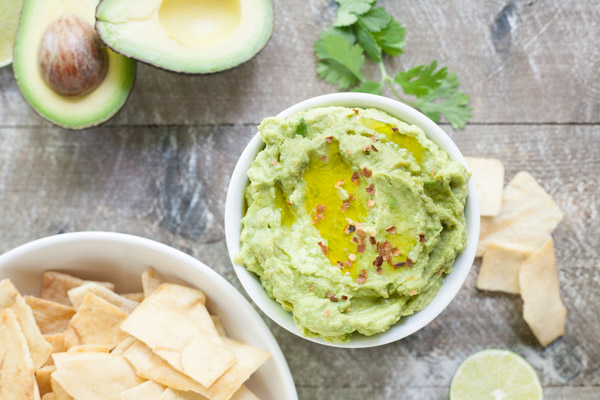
x,y
543,310
89,348
42,377
50,396
218,325
58,390
17,371
96,322
244,394
124,345
488,174
56,285
10,298
500,267
150,281
527,218
78,294
51,317
146,391
94,376
137,296
175,324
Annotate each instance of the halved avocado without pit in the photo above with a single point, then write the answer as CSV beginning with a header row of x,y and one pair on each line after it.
x,y
188,36
63,70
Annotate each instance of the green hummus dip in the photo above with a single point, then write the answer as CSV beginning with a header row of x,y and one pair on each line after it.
x,y
353,219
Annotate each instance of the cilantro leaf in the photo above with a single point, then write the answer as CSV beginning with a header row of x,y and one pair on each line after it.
x,y
422,79
448,101
339,60
345,31
367,41
391,38
375,20
369,87
349,11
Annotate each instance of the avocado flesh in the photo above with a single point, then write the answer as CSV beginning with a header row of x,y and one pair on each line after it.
x,y
75,112
188,36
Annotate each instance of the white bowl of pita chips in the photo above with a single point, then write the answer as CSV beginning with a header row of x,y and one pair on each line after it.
x,y
129,318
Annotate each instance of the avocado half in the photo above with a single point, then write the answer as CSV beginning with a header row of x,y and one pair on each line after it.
x,y
188,36
74,112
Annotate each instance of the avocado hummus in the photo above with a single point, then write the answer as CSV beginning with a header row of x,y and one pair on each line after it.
x,y
353,219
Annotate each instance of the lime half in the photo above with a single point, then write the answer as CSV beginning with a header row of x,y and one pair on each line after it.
x,y
495,375
10,11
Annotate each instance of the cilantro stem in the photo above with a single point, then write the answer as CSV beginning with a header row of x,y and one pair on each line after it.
x,y
386,79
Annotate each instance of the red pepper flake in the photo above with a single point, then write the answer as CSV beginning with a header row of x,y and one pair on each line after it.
x,y
344,297
362,277
372,240
327,313
400,264
370,189
395,252
321,208
351,196
311,287
394,129
371,203
409,262
340,264
361,248
391,229
373,138
367,149
422,237
331,297
355,111
378,261
324,248
345,205
379,270
329,139
273,162
361,233
355,239
323,158
413,293
366,172
356,178
337,185
375,149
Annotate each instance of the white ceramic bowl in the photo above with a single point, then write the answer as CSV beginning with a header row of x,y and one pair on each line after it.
x,y
121,258
452,283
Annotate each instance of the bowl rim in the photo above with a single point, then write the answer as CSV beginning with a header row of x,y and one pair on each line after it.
x,y
407,325
216,279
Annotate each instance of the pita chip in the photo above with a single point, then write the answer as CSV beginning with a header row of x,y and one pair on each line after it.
x,y
527,218
78,294
42,377
175,324
11,299
138,296
543,310
56,285
171,394
488,174
57,341
244,394
96,322
150,281
94,376
500,267
17,370
59,392
89,348
49,396
124,345
218,325
51,317
146,391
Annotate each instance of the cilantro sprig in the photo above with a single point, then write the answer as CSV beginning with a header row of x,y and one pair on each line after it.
x,y
362,29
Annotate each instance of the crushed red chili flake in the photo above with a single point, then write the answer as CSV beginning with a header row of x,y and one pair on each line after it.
x,y
311,287
323,158
391,229
324,248
356,178
273,162
344,297
400,264
327,313
422,237
367,149
329,139
355,111
355,239
361,248
361,233
379,270
338,184
378,261
370,189
321,208
372,240
413,293
366,172
362,277
375,149
340,264
373,138
395,252
371,203
345,205
351,196
409,262
394,129
331,297
346,230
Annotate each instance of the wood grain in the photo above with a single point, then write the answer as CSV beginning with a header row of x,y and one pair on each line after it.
x,y
521,61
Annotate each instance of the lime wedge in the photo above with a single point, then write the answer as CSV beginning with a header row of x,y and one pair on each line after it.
x,y
10,11
495,375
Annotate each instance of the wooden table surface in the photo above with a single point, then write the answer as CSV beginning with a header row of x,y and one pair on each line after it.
x,y
160,169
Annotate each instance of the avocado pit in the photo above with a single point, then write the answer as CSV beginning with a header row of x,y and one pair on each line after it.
x,y
72,59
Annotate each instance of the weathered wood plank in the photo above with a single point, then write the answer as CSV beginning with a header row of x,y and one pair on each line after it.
x,y
169,184
521,61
